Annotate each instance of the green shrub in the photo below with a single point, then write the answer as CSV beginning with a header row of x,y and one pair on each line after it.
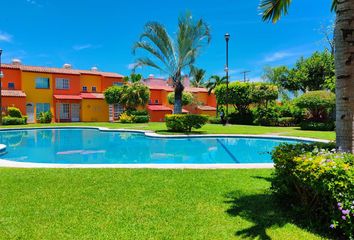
x,y
7,120
245,117
289,109
125,118
14,112
141,118
317,126
265,116
187,98
214,120
138,112
318,104
45,117
185,122
286,121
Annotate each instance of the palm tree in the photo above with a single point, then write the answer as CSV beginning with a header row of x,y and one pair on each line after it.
x,y
213,82
344,62
198,76
173,56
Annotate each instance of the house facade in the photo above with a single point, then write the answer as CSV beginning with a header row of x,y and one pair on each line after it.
x,y
77,95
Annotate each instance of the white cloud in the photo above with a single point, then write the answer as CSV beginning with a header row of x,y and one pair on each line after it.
x,y
5,37
33,2
277,56
131,66
82,47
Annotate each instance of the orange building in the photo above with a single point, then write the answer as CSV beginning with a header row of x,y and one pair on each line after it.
x,y
158,105
71,95
77,95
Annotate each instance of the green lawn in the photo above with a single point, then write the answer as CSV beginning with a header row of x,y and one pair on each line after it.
x,y
142,204
207,129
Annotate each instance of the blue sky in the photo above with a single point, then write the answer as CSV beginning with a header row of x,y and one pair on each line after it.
x,y
101,33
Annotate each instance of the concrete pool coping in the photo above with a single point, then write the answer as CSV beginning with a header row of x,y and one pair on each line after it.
x,y
148,133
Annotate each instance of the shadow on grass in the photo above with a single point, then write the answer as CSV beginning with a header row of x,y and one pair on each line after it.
x,y
264,212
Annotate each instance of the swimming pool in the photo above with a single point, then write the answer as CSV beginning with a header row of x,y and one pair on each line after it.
x,y
92,146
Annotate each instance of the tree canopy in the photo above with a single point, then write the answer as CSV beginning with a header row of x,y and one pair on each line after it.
x,y
187,98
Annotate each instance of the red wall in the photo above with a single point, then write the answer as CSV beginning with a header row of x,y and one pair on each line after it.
x,y
19,102
74,84
107,82
158,116
11,75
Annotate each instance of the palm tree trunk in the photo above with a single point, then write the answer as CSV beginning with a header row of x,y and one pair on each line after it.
x,y
344,61
178,98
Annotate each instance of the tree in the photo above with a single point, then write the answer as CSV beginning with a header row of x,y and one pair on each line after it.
x,y
198,77
130,96
170,56
187,98
133,78
215,81
279,76
344,28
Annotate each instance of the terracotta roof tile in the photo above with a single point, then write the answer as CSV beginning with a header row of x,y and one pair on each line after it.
x,y
92,95
207,108
67,97
159,108
12,93
60,70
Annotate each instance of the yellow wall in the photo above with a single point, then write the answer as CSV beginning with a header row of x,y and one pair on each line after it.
x,y
35,95
94,110
89,81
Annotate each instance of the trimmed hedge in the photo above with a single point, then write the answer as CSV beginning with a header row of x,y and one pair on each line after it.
x,y
318,182
14,112
185,122
141,118
7,120
214,120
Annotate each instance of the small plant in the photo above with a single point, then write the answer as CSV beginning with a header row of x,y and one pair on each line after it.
x,y
45,117
7,120
125,118
14,112
185,122
214,120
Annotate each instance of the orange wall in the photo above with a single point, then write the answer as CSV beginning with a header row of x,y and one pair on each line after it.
x,y
11,75
74,84
158,116
19,102
212,100
107,82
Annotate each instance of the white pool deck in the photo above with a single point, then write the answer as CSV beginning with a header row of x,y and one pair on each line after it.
x,y
13,164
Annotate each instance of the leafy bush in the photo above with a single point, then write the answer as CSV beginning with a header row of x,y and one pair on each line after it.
x,y
245,117
286,121
187,98
138,112
289,109
45,117
265,116
7,120
318,104
214,120
185,122
14,112
141,118
125,118
318,182
317,126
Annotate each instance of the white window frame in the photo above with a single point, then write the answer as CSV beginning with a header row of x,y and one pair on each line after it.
x,y
118,110
62,83
8,85
94,87
84,88
117,84
42,107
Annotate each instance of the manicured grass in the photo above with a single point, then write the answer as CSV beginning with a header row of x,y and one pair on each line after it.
x,y
142,204
207,129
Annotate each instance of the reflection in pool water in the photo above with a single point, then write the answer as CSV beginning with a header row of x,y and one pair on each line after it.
x,y
91,146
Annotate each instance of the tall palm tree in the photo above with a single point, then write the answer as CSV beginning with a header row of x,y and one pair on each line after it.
x,y
198,77
173,56
344,62
213,82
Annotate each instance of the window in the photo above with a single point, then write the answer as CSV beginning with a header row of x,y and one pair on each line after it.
x,y
117,84
42,107
62,83
84,89
64,111
94,89
118,109
11,85
156,101
42,83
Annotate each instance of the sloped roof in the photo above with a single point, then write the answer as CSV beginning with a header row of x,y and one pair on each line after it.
x,y
206,108
92,95
12,93
59,70
159,108
68,97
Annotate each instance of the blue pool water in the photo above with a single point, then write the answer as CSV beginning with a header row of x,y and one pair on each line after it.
x,y
91,146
